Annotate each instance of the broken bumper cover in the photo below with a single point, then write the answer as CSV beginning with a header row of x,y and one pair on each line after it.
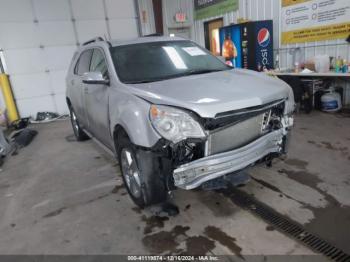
x,y
194,174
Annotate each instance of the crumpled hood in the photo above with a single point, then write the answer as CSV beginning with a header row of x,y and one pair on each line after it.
x,y
213,93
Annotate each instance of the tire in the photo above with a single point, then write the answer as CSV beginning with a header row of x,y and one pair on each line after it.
x,y
141,174
78,132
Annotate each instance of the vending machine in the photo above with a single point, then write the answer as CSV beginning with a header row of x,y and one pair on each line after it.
x,y
230,43
248,45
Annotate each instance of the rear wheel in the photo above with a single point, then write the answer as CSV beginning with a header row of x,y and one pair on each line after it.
x,y
141,174
78,132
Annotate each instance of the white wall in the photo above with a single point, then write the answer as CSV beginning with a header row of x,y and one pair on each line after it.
x,y
148,25
38,38
170,8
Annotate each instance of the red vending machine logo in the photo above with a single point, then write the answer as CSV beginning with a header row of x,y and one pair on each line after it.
x,y
264,37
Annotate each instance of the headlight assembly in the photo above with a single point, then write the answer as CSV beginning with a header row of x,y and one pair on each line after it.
x,y
174,124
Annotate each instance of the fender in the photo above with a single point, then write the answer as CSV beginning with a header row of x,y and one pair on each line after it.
x,y
132,114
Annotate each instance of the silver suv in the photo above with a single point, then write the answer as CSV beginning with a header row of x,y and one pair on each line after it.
x,y
175,115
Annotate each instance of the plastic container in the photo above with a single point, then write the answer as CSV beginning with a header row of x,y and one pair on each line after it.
x,y
338,65
331,101
345,66
296,67
322,63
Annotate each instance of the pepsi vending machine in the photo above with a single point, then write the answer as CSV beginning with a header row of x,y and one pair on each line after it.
x,y
248,45
230,43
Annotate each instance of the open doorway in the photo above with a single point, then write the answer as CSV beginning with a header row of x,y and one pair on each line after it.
x,y
212,36
158,15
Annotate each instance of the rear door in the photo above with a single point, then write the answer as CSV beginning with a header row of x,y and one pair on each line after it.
x,y
96,99
77,87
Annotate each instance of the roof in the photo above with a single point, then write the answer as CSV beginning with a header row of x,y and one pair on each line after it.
x,y
149,39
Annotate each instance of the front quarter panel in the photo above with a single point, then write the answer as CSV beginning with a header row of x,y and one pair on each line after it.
x,y
132,113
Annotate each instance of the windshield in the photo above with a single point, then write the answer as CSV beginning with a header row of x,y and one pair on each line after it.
x,y
156,61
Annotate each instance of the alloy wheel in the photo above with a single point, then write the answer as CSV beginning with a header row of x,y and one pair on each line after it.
x,y
131,172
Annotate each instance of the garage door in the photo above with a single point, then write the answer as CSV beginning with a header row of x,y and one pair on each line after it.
x,y
38,39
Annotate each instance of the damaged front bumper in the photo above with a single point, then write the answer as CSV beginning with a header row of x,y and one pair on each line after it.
x,y
193,174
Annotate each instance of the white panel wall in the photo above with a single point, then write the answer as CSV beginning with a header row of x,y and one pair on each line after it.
x,y
148,26
122,19
231,17
170,8
177,6
39,37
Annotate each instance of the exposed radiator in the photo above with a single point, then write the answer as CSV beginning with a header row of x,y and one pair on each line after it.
x,y
234,136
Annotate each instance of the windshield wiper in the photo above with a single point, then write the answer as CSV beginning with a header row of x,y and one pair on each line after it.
x,y
187,73
202,71
150,80
142,81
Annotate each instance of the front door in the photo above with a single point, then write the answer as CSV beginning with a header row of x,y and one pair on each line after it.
x,y
77,87
96,100
212,35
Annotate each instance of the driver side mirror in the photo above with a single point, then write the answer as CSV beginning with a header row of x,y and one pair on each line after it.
x,y
95,78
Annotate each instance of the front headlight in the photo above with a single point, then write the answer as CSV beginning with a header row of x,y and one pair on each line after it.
x,y
174,124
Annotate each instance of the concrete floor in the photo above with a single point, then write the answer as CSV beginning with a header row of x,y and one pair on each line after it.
x,y
59,196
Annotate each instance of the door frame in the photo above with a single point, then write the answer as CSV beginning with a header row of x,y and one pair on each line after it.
x,y
158,16
206,30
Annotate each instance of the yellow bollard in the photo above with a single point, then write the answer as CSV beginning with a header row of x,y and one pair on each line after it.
x,y
11,108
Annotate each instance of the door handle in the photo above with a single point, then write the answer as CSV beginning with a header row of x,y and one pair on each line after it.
x,y
72,82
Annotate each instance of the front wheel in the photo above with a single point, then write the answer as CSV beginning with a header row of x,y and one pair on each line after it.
x,y
78,132
141,174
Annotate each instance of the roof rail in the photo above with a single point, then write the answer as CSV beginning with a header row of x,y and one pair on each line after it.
x,y
97,39
93,40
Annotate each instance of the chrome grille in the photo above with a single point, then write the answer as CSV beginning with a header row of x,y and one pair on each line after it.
x,y
234,136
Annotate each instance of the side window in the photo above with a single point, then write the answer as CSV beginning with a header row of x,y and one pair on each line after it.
x,y
83,63
98,63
